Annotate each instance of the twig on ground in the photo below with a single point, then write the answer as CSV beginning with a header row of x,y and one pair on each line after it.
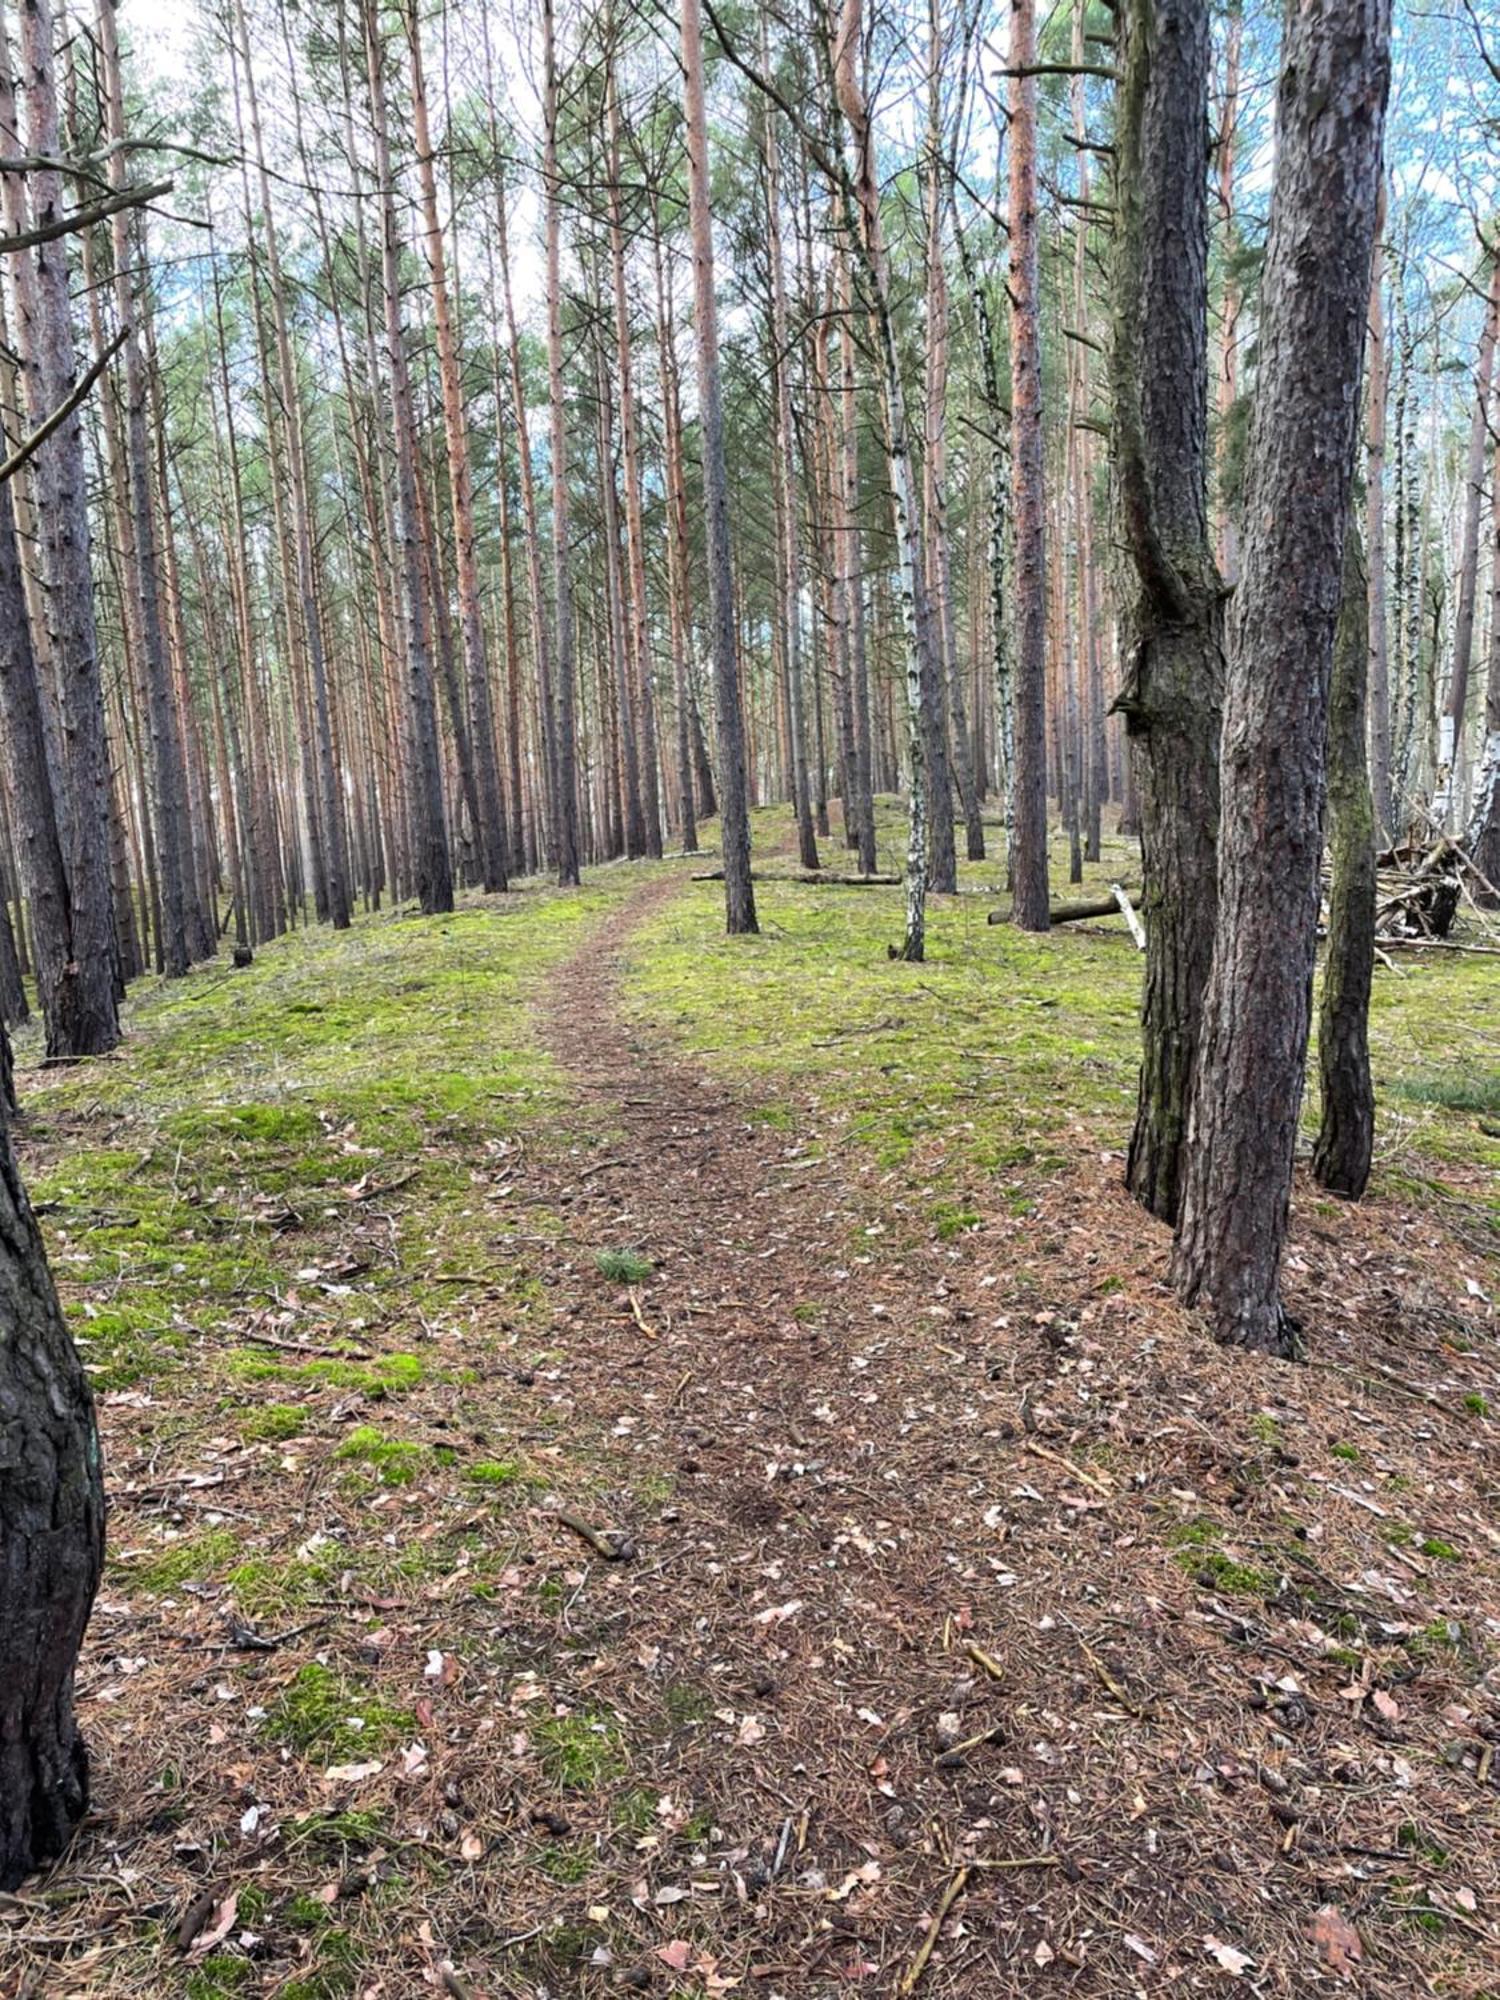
x,y
957,1883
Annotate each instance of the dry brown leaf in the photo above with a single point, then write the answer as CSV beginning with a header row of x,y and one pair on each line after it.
x,y
1336,1939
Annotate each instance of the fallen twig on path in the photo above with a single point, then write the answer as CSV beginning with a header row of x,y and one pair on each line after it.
x,y
957,1883
607,1543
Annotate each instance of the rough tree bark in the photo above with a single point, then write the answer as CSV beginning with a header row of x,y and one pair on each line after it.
x,y
51,1544
1242,1136
1456,699
1028,501
1377,387
433,865
91,1024
1483,838
565,730
734,839
1346,1137
490,810
1173,688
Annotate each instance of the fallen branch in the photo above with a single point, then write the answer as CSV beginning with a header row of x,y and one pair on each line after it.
x,y
85,218
345,1353
1078,913
957,1882
28,447
950,1759
822,878
607,1543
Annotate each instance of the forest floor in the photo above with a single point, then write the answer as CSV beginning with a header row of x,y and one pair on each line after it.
x,y
643,1461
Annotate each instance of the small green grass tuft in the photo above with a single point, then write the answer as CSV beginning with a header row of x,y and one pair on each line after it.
x,y
1348,1452
623,1267
395,1461
193,1559
320,1714
580,1752
1476,1405
220,1977
1440,1551
272,1423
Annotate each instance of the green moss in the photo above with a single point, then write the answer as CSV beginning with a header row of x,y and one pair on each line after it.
x,y
1440,1550
394,1461
950,1221
623,1267
386,1375
335,1832
1476,1405
1348,1452
580,1752
193,1559
273,1422
500,1472
220,1977
568,1862
321,1714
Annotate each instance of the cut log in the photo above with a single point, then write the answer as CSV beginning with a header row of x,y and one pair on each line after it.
x,y
1127,911
823,879
1078,913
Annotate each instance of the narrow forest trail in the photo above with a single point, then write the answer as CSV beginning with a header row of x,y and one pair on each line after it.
x,y
906,1574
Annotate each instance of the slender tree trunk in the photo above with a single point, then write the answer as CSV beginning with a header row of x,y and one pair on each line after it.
x,y
678,566
1377,375
562,554
1174,680
1456,700
643,700
860,191
433,866
1346,1137
851,572
90,1024
1483,836
784,460
1315,291
739,895
1029,791
328,796
490,825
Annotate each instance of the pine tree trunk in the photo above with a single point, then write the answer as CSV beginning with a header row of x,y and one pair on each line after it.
x,y
783,461
1456,699
1028,506
1377,376
1483,836
1237,1181
51,1544
488,806
1346,1137
434,870
562,553
1173,688
739,895
90,1025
